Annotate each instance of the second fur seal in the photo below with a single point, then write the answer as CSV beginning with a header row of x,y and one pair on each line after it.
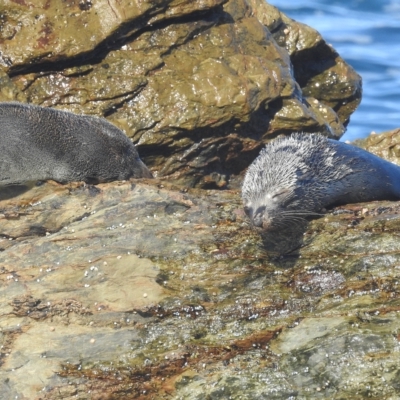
x,y
299,175
38,143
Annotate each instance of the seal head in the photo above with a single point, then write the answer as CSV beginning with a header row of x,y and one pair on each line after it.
x,y
297,176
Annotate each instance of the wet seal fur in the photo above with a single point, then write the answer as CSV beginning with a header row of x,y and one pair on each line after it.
x,y
39,143
297,176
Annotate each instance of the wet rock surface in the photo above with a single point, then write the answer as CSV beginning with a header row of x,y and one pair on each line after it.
x,y
198,86
385,145
144,290
147,289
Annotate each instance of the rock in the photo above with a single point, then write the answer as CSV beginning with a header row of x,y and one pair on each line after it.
x,y
199,87
8,89
385,145
145,289
328,84
140,289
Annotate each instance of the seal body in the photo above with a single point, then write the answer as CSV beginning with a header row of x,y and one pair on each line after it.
x,y
38,143
298,176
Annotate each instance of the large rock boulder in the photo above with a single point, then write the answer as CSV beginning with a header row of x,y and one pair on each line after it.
x,y
198,86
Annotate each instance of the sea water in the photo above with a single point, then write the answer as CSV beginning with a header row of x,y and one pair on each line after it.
x,y
366,34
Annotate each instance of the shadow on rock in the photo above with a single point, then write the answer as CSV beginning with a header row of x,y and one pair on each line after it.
x,y
8,192
283,246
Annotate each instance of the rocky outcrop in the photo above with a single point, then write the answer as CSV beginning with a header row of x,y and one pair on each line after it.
x,y
141,290
385,145
198,86
147,289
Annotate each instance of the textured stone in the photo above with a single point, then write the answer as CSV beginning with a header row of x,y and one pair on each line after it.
x,y
136,289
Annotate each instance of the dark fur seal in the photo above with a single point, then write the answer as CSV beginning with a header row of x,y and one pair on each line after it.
x,y
38,143
297,176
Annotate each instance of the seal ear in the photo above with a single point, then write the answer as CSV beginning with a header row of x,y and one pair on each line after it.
x,y
280,193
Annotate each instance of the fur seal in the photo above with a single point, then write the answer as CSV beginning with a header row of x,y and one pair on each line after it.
x,y
298,176
39,143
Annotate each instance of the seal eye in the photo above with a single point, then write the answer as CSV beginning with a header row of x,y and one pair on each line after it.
x,y
281,198
280,193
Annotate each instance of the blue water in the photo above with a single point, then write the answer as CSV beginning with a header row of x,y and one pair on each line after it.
x,y
366,33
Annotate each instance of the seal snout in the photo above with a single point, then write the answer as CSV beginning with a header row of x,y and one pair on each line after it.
x,y
258,217
143,171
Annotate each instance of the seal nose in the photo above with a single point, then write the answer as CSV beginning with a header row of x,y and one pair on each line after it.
x,y
144,172
257,221
258,217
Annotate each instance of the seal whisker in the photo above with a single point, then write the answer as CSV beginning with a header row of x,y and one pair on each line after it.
x,y
300,212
